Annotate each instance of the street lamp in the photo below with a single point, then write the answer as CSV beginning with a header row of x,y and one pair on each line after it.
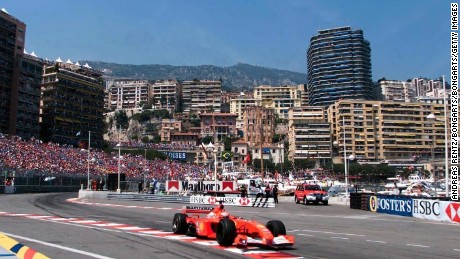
x,y
431,118
210,148
119,167
351,157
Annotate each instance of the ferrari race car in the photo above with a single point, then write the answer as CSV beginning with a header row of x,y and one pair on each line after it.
x,y
227,229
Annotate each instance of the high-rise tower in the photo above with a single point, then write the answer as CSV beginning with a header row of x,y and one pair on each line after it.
x,y
338,66
12,40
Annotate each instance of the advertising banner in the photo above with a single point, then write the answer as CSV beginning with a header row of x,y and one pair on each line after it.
x,y
395,205
447,211
200,186
233,201
176,155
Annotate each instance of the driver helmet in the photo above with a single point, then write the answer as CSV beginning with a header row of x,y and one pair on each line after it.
x,y
225,214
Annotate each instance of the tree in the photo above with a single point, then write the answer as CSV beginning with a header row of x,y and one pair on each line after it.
x,y
122,119
206,140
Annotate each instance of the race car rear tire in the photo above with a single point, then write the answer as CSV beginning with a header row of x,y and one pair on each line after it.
x,y
179,223
276,227
226,232
325,203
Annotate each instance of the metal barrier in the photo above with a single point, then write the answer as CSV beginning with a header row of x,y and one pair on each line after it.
x,y
207,200
149,197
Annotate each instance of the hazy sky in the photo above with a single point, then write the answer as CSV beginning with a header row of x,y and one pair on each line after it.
x,y
408,38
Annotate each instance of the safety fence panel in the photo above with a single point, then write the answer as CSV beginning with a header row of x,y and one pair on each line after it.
x,y
149,197
233,201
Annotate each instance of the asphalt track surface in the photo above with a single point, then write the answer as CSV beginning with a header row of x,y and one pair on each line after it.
x,y
59,228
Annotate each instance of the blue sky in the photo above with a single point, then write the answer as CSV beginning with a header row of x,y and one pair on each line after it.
x,y
408,38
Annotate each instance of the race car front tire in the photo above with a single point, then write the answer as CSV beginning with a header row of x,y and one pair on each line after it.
x,y
276,227
179,223
226,232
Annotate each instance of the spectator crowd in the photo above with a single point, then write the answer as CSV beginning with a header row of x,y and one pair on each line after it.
x,y
55,159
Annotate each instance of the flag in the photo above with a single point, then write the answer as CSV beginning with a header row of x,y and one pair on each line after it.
x,y
247,159
78,134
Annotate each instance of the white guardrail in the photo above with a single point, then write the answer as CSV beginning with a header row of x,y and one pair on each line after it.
x,y
195,199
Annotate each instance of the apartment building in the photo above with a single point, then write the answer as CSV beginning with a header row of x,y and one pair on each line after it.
x,y
279,98
387,131
259,125
12,42
72,101
218,125
166,94
339,67
309,135
237,106
201,96
28,109
395,90
426,87
168,127
127,93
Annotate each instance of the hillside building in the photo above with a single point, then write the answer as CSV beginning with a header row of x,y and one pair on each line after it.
x,y
279,98
166,94
259,125
201,96
218,125
128,93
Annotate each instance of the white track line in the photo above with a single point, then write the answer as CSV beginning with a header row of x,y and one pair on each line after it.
x,y
376,241
417,245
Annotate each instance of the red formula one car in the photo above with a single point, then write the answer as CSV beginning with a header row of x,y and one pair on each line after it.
x,y
228,230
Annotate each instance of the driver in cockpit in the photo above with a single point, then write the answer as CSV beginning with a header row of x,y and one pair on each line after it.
x,y
217,211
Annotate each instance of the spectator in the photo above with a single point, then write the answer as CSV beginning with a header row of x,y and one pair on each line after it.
x,y
275,193
268,191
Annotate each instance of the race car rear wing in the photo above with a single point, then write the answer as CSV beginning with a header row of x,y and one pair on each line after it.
x,y
195,209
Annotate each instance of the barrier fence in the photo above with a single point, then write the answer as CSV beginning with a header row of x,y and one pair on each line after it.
x,y
408,206
195,199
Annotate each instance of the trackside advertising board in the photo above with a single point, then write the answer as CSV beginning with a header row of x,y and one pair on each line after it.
x,y
200,186
233,201
395,205
447,211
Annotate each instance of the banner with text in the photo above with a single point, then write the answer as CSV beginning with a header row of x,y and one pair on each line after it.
x,y
447,211
233,201
395,205
200,186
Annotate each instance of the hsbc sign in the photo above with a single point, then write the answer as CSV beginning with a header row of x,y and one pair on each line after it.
x,y
436,210
453,211
232,201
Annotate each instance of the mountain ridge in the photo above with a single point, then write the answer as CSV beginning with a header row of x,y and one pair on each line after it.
x,y
240,76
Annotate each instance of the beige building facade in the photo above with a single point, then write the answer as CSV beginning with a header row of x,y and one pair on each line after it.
x,y
393,132
309,134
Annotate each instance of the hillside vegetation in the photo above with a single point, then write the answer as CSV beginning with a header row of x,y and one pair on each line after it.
x,y
238,77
